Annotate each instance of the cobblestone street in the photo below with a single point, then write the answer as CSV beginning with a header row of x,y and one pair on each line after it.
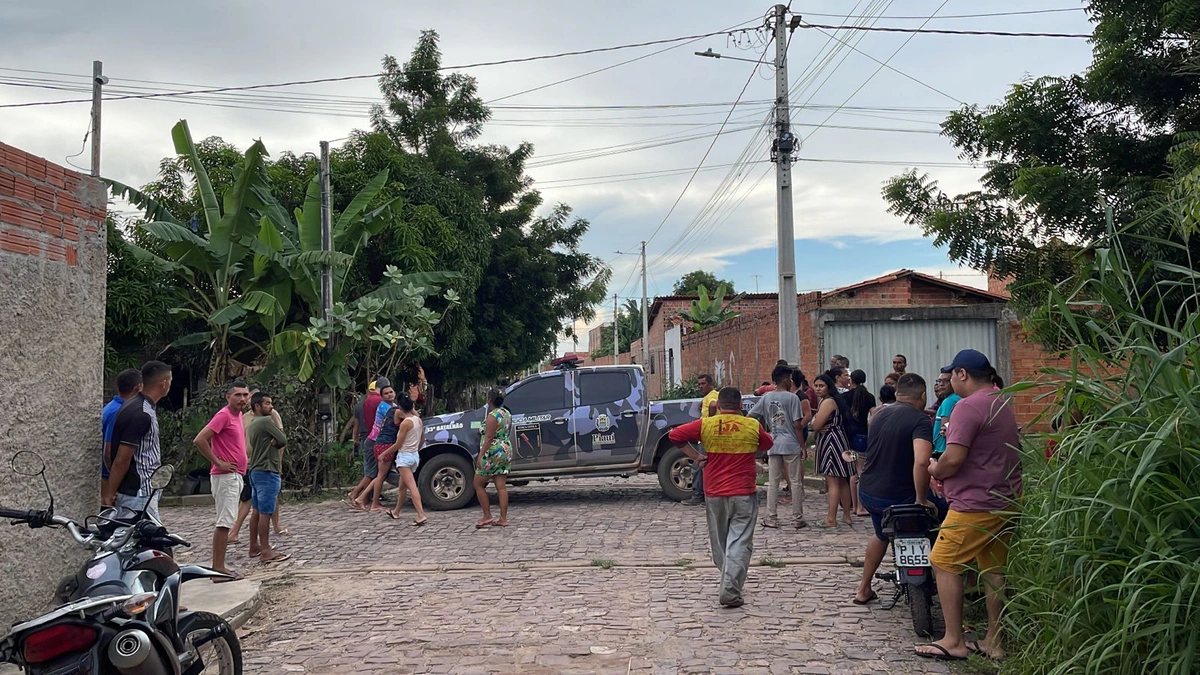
x,y
598,575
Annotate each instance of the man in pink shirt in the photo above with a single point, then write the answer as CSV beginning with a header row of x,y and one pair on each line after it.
x,y
223,443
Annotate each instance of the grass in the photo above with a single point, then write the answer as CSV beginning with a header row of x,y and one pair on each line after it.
x,y
1104,575
603,563
768,561
685,563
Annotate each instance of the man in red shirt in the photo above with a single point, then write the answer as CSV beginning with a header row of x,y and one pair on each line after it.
x,y
731,442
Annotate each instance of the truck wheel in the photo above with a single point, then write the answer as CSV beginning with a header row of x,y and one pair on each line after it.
x,y
920,600
446,482
675,473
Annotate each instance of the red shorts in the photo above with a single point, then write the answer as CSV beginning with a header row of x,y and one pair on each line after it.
x,y
380,449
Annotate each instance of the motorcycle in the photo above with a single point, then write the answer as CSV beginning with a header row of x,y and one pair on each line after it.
x,y
120,613
911,531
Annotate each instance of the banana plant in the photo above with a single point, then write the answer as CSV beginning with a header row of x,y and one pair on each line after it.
x,y
706,312
215,256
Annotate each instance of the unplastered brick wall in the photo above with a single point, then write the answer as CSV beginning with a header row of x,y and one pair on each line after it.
x,y
740,352
45,209
53,259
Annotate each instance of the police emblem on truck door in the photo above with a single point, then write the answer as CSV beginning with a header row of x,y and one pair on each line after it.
x,y
602,423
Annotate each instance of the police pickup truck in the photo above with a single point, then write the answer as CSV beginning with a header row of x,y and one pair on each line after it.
x,y
568,423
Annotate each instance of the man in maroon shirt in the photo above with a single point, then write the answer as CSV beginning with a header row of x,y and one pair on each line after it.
x,y
731,442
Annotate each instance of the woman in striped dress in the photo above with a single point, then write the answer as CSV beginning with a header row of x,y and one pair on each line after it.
x,y
832,449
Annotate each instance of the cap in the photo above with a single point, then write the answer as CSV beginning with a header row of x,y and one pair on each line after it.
x,y
382,383
371,386
969,359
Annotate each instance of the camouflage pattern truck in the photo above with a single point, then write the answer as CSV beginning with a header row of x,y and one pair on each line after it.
x,y
571,423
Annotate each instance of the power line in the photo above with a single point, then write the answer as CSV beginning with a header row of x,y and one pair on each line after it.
x,y
946,31
346,78
962,16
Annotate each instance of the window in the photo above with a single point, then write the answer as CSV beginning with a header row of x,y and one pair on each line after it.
x,y
601,388
544,393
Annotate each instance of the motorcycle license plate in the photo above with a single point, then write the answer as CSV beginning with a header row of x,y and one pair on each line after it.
x,y
912,552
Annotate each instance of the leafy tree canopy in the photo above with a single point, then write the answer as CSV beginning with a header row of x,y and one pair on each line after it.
x,y
1058,150
629,328
690,283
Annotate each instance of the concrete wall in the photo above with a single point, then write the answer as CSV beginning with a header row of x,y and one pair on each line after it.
x,y
52,271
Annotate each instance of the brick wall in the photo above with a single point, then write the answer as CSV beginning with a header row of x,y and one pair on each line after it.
x,y
1027,358
736,353
53,260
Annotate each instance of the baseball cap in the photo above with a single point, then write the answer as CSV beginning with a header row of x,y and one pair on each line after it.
x,y
970,360
371,386
382,383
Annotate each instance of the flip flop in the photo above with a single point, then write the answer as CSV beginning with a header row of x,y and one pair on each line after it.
x,y
870,598
483,523
234,575
945,654
254,554
801,524
393,516
419,523
283,533
974,648
497,523
279,558
767,522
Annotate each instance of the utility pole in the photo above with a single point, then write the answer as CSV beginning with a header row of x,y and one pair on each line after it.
x,y
645,316
781,153
325,397
756,276
616,332
98,82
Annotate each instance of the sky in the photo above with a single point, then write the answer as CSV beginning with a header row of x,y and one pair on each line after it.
x,y
589,137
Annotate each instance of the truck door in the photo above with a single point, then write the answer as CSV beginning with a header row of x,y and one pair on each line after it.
x,y
542,435
608,418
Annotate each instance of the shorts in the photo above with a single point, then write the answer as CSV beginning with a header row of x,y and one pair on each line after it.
x,y
129,506
266,491
876,507
408,459
370,463
981,537
247,492
226,490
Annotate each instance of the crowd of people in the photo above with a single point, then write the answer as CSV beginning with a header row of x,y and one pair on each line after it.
x,y
957,457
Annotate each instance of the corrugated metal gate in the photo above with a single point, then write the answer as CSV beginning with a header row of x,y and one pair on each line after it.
x,y
929,345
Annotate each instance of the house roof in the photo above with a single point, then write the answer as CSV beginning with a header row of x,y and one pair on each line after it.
x,y
686,300
926,278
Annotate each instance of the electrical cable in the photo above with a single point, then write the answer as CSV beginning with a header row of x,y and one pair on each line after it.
x,y
947,31
964,16
345,78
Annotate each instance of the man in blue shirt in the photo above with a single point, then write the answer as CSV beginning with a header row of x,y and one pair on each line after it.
x,y
947,399
129,383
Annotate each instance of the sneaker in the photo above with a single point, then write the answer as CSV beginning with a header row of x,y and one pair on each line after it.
x,y
733,604
694,501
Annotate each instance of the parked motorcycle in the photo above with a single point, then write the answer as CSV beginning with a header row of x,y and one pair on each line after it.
x,y
120,612
911,530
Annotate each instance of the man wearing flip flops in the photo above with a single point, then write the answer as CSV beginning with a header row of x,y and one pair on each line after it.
x,y
981,477
223,443
267,441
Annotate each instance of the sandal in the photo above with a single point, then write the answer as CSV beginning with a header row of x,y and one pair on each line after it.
x,y
418,523
770,522
497,523
234,575
483,523
870,598
944,654
279,558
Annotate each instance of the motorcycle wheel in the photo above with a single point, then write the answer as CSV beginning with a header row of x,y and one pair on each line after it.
x,y
222,656
920,601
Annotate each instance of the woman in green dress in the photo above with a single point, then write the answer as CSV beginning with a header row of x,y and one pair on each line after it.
x,y
494,461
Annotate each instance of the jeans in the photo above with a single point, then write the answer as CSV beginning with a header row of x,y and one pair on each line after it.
x,y
129,506
698,478
778,466
731,535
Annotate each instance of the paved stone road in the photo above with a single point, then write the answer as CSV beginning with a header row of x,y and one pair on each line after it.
x,y
363,593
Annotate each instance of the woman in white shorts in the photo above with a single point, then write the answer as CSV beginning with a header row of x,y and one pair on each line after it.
x,y
405,452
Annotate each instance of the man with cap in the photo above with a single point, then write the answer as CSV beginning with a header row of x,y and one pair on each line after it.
x,y
364,419
980,475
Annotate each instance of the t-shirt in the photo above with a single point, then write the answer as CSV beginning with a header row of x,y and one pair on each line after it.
x,y
381,414
136,425
108,416
263,455
990,477
781,410
363,429
705,404
812,399
369,407
248,418
229,440
888,471
731,442
939,431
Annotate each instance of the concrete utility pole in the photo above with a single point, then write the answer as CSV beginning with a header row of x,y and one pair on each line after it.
x,y
781,153
326,274
645,316
98,82
616,333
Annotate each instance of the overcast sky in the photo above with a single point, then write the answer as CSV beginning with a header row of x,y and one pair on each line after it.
x,y
843,231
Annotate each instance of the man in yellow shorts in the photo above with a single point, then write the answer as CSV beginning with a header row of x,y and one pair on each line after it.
x,y
981,477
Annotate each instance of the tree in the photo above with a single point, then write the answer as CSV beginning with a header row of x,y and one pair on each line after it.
x,y
690,283
1058,150
629,328
137,316
707,312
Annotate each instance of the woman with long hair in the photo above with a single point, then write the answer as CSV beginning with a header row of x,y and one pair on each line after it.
x,y
831,448
859,402
494,461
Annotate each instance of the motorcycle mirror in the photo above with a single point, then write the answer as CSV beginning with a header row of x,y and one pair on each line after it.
x,y
162,476
27,463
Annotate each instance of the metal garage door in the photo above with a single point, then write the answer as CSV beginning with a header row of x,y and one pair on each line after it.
x,y
929,345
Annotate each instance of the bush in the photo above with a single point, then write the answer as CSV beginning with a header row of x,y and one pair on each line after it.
x,y
689,389
1105,573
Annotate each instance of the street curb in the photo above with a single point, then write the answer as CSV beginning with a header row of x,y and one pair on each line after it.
x,y
207,498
